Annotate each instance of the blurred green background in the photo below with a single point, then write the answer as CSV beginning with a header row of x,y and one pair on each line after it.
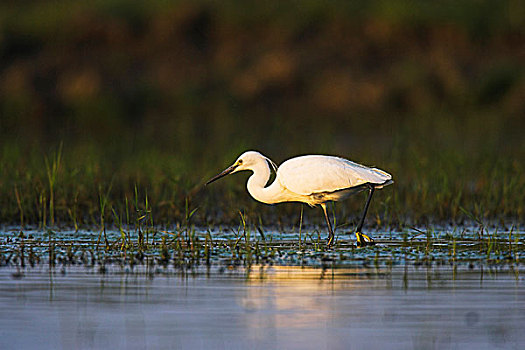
x,y
154,97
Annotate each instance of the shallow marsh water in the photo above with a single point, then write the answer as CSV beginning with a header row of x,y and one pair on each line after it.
x,y
270,307
346,299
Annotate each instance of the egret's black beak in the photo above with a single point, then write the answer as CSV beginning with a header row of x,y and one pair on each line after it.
x,y
224,173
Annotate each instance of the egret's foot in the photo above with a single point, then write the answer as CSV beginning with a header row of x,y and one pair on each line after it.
x,y
363,240
330,241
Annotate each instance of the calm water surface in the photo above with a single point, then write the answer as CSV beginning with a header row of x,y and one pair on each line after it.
x,y
262,308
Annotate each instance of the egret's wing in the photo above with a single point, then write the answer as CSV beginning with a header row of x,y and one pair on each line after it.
x,y
312,174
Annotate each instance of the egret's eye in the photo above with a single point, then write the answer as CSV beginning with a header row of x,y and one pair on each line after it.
x,y
239,162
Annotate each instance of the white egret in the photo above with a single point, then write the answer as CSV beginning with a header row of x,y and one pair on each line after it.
x,y
311,179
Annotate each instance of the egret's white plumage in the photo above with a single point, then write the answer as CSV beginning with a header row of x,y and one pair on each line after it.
x,y
313,174
311,179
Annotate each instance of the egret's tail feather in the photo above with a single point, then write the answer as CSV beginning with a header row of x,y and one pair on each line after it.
x,y
386,183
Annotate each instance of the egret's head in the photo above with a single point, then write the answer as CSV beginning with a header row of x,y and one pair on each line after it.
x,y
246,161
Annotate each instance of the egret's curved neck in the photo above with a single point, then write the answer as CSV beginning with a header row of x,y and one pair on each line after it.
x,y
257,182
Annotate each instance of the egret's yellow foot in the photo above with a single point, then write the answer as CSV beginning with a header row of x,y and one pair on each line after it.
x,y
330,240
363,239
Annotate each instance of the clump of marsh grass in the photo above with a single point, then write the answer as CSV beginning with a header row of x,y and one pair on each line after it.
x,y
103,197
20,206
52,168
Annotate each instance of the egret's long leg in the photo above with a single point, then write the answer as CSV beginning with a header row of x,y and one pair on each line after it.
x,y
330,231
363,239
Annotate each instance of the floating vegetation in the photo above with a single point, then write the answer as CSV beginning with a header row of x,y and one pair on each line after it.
x,y
189,248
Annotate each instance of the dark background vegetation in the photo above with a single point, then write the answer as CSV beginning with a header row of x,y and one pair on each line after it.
x,y
106,103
